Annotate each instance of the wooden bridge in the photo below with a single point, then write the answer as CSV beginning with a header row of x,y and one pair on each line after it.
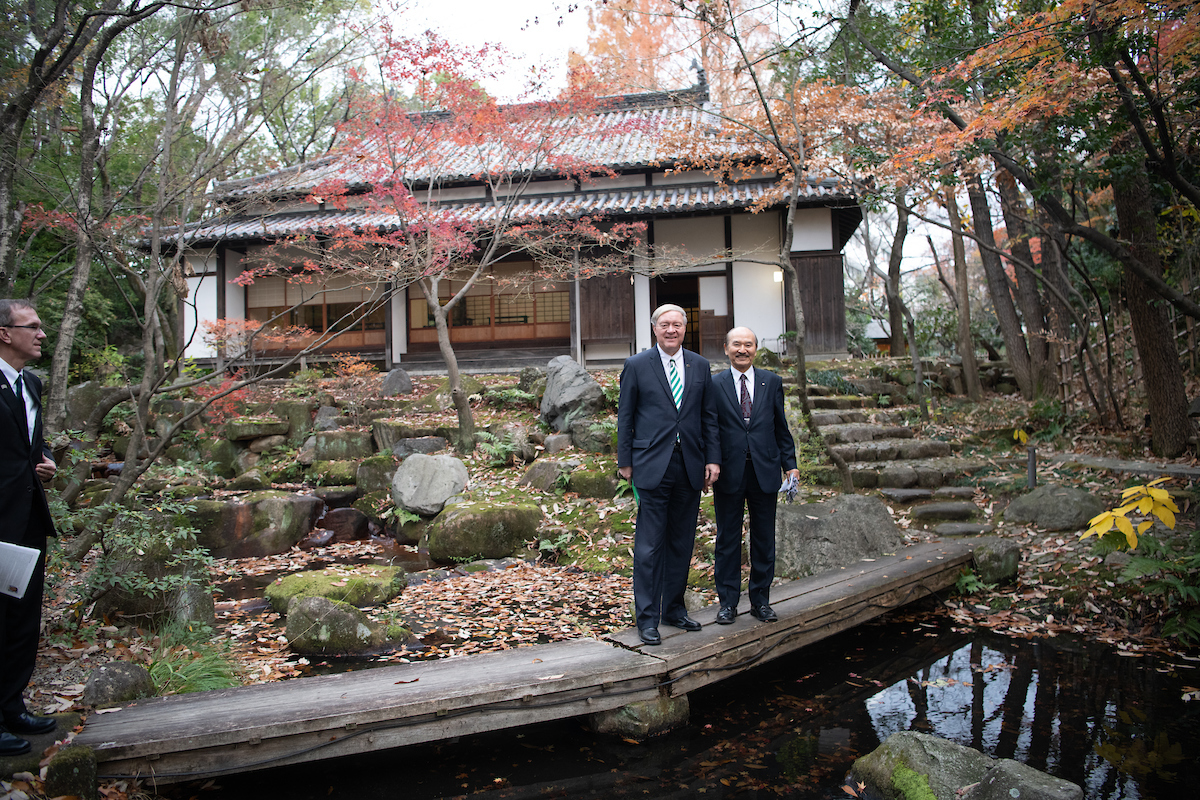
x,y
206,734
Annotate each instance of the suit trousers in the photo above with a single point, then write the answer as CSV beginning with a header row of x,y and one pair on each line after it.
x,y
20,628
728,507
662,546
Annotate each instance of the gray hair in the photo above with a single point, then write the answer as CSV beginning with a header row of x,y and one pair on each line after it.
x,y
663,309
6,310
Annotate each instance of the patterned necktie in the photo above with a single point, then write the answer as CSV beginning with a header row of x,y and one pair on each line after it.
x,y
746,404
676,384
19,391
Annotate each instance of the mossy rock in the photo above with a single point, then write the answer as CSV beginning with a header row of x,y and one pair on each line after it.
x,y
474,530
243,428
335,473
593,483
359,586
439,399
343,445
221,452
374,474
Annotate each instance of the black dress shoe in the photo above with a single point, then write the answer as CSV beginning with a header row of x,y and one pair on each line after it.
x,y
28,724
649,635
12,745
726,615
764,614
685,624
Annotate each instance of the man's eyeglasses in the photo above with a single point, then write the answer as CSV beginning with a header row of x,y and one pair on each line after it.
x,y
26,327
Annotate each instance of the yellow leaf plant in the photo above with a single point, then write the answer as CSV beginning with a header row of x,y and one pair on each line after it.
x,y
1146,501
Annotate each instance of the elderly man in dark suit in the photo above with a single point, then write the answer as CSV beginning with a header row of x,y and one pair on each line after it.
x,y
24,515
667,448
756,448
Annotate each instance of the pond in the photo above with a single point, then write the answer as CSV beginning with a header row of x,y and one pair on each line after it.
x,y
1118,726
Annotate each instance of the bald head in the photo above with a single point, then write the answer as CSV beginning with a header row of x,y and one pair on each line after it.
x,y
740,346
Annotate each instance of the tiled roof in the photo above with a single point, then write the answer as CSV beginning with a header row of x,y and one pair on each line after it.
x,y
628,135
638,202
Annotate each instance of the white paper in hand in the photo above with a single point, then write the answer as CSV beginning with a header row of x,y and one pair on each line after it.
x,y
16,568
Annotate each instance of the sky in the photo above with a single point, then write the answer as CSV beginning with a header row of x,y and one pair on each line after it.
x,y
533,31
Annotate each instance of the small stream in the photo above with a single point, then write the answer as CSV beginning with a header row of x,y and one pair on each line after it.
x,y
1118,726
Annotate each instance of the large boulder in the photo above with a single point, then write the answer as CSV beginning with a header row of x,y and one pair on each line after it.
x,y
375,473
328,418
359,586
258,524
1055,508
546,475
343,445
348,524
158,582
439,399
811,538
996,559
643,719
600,483
425,445
396,382
473,530
423,484
82,399
570,393
117,682
910,765
319,626
590,436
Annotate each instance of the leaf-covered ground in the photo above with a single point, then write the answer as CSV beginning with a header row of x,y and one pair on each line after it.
x,y
579,585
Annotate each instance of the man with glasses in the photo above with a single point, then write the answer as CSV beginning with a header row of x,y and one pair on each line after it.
x,y
25,462
668,448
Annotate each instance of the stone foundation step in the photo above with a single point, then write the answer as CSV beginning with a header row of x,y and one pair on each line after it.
x,y
824,419
910,496
841,401
929,473
853,432
962,529
893,449
950,510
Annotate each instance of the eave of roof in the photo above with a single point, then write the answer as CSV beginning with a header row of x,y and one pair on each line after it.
x,y
639,202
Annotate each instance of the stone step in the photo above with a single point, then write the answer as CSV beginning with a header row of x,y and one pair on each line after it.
x,y
963,529
853,432
953,510
893,449
842,401
824,419
929,473
910,496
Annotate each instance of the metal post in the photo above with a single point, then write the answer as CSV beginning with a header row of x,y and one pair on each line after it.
x,y
1032,467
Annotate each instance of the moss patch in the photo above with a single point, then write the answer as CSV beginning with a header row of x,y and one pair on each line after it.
x,y
358,586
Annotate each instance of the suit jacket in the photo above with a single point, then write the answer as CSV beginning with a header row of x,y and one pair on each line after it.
x,y
767,438
648,422
24,512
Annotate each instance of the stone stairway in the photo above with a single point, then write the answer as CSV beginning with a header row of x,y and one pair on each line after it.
x,y
883,453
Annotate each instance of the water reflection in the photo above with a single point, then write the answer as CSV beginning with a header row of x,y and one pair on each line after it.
x,y
1116,726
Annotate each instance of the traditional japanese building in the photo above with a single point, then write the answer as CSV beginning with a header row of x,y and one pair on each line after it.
x,y
598,319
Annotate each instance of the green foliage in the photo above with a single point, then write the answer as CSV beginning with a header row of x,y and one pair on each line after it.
x,y
969,583
1174,578
186,660
104,364
606,426
612,394
1048,420
911,785
508,397
831,378
501,451
551,549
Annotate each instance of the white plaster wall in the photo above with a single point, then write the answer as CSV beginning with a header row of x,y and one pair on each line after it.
x,y
605,352
758,301
713,296
756,236
812,229
702,238
200,263
676,178
235,295
461,193
619,182
641,316
399,310
202,306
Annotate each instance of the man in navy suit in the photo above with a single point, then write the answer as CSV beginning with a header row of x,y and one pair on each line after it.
x,y
667,448
756,448
25,463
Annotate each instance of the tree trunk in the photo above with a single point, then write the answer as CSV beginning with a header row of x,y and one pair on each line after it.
x,y
1170,426
892,285
462,404
966,343
1015,212
998,286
